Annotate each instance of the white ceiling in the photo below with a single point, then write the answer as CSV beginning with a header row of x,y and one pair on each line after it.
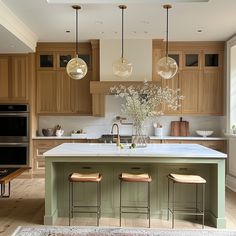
x,y
101,19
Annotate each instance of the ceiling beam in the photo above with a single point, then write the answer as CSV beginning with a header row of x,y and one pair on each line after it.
x,y
16,27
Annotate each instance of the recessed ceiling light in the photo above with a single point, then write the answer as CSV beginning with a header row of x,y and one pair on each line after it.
x,y
145,22
199,30
67,31
98,22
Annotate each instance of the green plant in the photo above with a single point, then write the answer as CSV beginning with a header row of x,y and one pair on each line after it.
x,y
233,127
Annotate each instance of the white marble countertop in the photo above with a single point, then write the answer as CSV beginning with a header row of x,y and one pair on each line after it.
x,y
66,137
151,137
152,150
186,138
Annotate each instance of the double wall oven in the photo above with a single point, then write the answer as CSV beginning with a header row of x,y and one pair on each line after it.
x,y
14,135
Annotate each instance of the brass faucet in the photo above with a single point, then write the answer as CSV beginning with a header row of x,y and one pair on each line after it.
x,y
118,133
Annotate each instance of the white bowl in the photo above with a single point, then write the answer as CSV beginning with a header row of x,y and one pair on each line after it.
x,y
204,133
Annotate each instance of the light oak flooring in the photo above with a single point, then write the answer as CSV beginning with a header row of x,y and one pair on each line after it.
x,y
26,207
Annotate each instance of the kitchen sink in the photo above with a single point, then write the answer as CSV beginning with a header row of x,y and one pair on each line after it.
x,y
109,138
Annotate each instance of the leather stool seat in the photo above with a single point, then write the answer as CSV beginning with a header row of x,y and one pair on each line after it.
x,y
78,177
187,179
135,177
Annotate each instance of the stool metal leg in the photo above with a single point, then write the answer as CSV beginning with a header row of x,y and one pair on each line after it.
x,y
168,197
149,214
98,203
173,207
69,201
196,199
120,200
72,199
203,204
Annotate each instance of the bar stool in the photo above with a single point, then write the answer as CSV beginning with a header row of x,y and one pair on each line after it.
x,y
84,178
186,179
142,178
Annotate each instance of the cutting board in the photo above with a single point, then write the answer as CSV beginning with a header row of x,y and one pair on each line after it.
x,y
179,128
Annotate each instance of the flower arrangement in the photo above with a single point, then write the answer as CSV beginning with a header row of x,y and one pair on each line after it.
x,y
144,101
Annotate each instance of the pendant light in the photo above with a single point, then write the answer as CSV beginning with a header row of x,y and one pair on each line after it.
x,y
76,68
167,66
122,67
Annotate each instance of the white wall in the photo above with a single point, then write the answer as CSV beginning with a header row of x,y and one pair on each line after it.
x,y
137,51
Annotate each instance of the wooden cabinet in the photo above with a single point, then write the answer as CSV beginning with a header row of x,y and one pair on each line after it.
x,y
39,147
200,76
14,79
218,145
65,95
47,96
42,145
4,77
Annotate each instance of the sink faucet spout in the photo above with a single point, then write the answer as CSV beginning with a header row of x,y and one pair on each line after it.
x,y
118,133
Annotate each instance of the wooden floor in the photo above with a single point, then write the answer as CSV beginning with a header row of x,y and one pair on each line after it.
x,y
26,207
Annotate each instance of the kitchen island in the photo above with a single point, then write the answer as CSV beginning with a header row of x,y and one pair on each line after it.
x,y
157,159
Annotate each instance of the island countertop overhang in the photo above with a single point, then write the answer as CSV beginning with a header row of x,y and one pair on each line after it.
x,y
188,151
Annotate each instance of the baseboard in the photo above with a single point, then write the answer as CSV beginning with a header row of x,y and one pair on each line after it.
x,y
231,182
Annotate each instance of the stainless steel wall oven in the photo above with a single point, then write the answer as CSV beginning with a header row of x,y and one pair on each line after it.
x,y
14,135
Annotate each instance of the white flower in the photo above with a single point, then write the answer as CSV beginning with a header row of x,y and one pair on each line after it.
x,y
142,102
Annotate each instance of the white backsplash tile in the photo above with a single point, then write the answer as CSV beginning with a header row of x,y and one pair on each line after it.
x,y
95,126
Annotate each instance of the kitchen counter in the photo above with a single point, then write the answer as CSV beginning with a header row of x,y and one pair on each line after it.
x,y
156,159
152,150
186,138
151,137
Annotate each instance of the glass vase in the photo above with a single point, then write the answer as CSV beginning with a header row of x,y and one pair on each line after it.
x,y
139,137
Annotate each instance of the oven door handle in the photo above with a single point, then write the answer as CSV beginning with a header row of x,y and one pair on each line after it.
x,y
14,144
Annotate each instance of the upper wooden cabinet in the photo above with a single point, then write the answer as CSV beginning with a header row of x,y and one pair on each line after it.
x,y
65,95
14,79
200,76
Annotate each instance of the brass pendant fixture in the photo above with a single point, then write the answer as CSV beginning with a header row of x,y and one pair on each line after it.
x,y
167,66
76,68
122,67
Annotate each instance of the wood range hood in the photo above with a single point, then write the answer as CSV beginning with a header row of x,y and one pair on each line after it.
x,y
99,89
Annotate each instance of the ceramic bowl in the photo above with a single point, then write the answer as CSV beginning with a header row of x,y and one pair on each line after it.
x,y
48,132
204,133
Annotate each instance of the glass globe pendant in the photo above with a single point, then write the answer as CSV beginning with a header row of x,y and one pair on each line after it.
x,y
122,67
76,68
167,67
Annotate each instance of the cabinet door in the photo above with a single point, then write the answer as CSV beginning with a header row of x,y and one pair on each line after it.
x,y
4,77
190,90
173,83
63,58
211,92
47,100
46,61
19,81
218,145
63,86
81,99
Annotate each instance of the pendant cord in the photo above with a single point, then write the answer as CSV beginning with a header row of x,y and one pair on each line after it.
x,y
76,23
122,35
167,23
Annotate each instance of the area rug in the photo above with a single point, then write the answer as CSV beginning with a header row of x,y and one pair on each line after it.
x,y
112,231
